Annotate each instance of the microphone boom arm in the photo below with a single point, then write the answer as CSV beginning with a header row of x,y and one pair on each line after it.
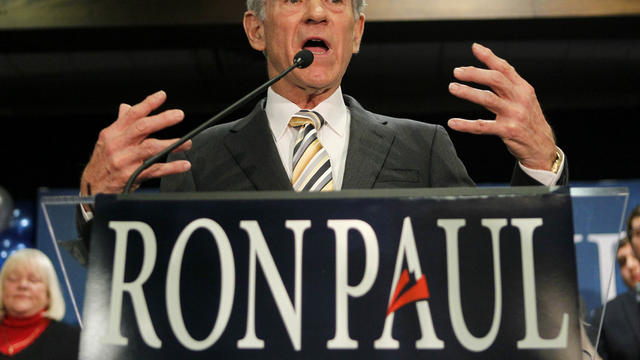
x,y
299,61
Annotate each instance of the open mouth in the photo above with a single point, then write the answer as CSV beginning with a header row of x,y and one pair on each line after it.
x,y
316,46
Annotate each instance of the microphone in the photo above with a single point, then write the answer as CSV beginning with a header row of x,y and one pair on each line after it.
x,y
301,60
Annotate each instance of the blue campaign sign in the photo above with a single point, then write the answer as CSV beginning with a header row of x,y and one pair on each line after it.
x,y
464,273
599,223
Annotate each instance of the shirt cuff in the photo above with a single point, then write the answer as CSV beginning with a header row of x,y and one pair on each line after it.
x,y
87,215
545,177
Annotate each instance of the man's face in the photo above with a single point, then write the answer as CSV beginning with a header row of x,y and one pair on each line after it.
x,y
326,27
629,266
635,235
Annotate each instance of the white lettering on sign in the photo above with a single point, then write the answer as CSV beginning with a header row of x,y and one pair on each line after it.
x,y
291,315
407,250
227,285
341,340
134,288
290,310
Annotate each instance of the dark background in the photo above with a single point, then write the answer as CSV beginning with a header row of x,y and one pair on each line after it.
x,y
60,86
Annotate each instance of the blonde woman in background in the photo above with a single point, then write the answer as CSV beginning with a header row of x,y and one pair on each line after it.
x,y
31,309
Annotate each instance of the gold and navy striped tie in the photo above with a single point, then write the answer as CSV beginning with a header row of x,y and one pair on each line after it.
x,y
311,165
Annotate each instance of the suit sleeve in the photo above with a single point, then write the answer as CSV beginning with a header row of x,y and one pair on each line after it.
x,y
179,182
446,169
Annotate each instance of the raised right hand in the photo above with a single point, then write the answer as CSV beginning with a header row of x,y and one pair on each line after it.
x,y
124,145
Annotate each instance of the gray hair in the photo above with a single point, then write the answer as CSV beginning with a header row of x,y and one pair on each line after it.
x,y
258,7
40,263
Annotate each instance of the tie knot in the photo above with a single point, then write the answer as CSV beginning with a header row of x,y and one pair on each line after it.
x,y
305,117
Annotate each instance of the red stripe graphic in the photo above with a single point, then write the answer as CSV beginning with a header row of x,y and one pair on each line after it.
x,y
419,291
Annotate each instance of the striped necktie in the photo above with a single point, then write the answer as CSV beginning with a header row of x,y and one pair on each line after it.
x,y
311,165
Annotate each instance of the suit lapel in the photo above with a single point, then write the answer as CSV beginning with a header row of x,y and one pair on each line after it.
x,y
251,145
369,144
630,306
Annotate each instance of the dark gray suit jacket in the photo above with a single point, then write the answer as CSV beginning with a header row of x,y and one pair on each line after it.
x,y
383,152
620,337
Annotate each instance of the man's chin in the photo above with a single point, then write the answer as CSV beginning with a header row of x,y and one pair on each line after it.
x,y
318,83
317,88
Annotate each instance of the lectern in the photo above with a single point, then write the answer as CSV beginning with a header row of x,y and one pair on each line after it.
x,y
461,273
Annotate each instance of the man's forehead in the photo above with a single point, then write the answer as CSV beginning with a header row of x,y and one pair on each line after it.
x,y
271,1
266,3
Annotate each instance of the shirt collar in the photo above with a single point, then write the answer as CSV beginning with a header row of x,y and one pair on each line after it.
x,y
279,110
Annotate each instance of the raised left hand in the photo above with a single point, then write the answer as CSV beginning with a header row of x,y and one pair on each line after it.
x,y
519,120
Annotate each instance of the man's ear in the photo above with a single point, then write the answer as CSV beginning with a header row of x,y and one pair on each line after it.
x,y
358,30
254,28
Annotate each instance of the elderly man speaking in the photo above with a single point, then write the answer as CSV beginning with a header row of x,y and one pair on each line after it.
x,y
307,135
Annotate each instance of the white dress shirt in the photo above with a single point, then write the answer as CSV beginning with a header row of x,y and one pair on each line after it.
x,y
333,135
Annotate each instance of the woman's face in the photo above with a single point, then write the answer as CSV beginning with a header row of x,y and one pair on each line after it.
x,y
24,292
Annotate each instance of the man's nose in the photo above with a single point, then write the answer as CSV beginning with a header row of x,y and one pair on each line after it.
x,y
316,11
